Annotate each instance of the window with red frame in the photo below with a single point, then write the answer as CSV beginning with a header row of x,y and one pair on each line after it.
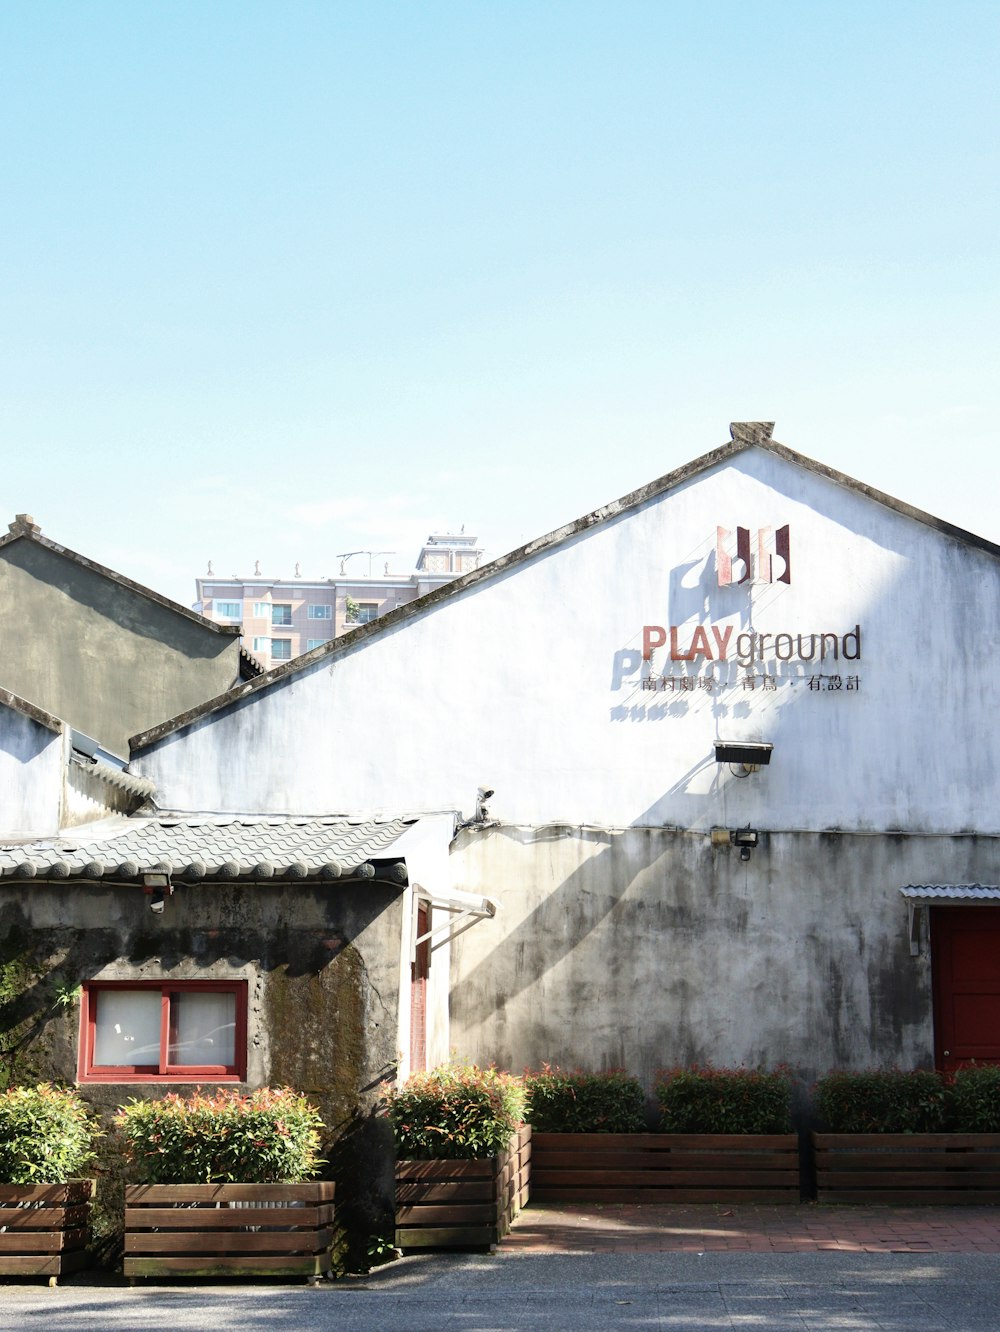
x,y
177,1031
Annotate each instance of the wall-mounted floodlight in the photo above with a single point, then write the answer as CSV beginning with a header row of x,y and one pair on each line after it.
x,y
746,839
158,888
749,753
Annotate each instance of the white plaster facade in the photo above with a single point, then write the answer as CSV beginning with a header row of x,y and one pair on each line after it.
x,y
527,678
34,750
628,934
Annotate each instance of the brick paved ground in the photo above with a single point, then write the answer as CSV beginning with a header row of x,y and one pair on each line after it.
x,y
807,1228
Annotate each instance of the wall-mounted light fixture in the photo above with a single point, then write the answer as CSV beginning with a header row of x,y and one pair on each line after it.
x,y
481,818
746,755
157,888
746,839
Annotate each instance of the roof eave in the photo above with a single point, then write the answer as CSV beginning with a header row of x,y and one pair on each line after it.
x,y
27,709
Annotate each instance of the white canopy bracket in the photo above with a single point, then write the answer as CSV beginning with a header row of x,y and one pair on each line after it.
x,y
463,911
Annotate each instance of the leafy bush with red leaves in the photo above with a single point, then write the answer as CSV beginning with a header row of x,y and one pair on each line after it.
x,y
725,1100
268,1136
46,1135
456,1111
560,1102
882,1100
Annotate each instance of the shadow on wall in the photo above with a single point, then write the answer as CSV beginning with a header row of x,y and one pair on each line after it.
x,y
546,938
130,610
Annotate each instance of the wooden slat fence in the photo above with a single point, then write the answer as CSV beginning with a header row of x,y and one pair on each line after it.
x,y
907,1167
665,1167
44,1228
228,1229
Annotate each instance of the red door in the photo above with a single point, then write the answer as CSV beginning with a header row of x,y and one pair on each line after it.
x,y
965,953
419,971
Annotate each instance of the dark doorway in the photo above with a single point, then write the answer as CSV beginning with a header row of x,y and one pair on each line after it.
x,y
965,955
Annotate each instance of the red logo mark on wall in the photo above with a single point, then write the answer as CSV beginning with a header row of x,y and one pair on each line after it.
x,y
766,560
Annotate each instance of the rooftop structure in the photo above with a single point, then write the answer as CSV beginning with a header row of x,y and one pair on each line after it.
x,y
282,618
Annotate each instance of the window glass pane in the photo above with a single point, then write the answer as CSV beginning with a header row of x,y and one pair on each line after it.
x,y
281,613
202,1028
367,611
320,612
281,649
262,645
232,610
262,610
127,1027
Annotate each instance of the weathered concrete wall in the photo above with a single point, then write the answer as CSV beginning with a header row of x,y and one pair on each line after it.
x,y
103,657
322,970
530,682
645,948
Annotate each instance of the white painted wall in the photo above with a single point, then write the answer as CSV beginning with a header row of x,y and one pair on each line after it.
x,y
510,684
425,848
32,767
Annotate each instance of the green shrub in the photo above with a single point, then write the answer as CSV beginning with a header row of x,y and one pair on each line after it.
x,y
975,1099
270,1136
888,1100
559,1102
46,1135
725,1100
457,1110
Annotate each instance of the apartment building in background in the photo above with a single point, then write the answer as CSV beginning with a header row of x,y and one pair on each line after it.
x,y
283,617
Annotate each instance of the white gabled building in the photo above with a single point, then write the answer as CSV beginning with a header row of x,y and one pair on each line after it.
x,y
745,804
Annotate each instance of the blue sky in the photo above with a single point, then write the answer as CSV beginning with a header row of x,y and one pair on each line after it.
x,y
283,280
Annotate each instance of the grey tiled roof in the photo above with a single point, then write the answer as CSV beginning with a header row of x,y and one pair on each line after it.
x,y
122,780
198,847
951,892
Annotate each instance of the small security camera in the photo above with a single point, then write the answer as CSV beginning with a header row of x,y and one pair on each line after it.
x,y
482,813
156,902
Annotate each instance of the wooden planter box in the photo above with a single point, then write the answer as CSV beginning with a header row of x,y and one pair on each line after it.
x,y
907,1167
228,1229
462,1204
665,1167
44,1228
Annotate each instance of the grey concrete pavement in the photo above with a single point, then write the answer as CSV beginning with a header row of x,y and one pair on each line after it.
x,y
676,1292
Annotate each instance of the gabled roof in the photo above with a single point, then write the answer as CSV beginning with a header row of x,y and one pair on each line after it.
x,y
193,848
745,435
119,779
92,760
24,528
